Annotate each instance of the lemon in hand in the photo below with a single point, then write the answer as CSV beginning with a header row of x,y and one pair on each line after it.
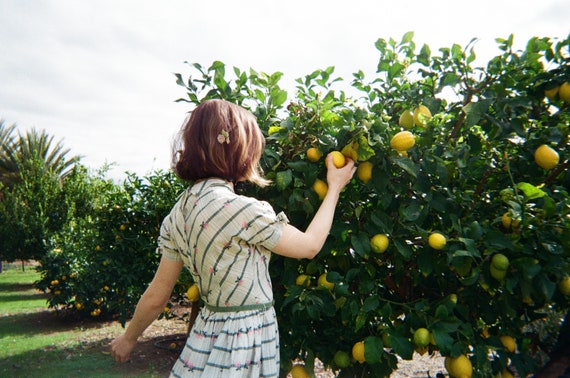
x,y
339,160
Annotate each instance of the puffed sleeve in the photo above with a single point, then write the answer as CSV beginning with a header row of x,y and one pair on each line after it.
x,y
261,226
166,243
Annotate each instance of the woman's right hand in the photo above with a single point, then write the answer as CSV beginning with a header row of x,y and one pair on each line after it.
x,y
338,178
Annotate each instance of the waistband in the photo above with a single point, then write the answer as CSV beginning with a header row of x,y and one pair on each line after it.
x,y
251,307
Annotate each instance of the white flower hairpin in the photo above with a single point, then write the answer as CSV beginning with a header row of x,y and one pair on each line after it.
x,y
224,137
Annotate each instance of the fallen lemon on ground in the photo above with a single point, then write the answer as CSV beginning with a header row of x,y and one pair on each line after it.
x,y
358,352
313,154
546,157
321,188
379,243
193,293
364,171
437,241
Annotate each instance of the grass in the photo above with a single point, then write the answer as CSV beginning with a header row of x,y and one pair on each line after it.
x,y
37,342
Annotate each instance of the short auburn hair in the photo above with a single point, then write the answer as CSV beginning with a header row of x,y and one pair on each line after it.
x,y
219,139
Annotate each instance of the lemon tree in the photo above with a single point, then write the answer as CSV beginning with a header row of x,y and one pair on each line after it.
x,y
478,220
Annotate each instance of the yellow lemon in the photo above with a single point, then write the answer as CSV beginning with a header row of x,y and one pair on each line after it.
x,y
551,93
460,367
406,119
193,293
546,157
322,281
564,286
505,374
509,343
437,241
321,188
299,371
508,221
351,151
338,159
303,280
403,141
421,115
421,337
358,352
364,171
379,243
313,154
564,92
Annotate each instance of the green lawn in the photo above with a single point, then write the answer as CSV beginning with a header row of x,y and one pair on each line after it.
x,y
37,342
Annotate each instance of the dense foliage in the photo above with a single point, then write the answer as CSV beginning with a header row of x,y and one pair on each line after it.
x,y
467,170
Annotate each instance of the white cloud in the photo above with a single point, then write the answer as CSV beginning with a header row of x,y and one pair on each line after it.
x,y
99,73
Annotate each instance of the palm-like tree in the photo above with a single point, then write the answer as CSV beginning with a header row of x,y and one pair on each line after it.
x,y
17,153
8,165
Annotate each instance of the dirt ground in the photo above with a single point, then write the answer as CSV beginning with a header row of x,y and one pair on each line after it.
x,y
162,342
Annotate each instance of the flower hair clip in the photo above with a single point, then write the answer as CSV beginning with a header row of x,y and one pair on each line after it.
x,y
224,137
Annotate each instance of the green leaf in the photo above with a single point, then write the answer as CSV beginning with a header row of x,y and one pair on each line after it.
x,y
530,191
361,243
402,346
373,349
407,165
371,304
404,249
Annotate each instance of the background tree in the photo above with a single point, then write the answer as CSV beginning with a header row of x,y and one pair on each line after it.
x,y
32,208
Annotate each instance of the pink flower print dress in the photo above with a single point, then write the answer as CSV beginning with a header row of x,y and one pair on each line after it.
x,y
225,241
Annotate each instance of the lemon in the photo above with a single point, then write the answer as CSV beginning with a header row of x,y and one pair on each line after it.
x,y
551,93
403,141
193,293
358,352
509,343
322,281
564,286
341,359
386,340
364,171
321,188
314,154
546,157
500,261
406,120
437,241
303,280
421,115
379,243
351,150
505,374
564,92
460,367
508,221
298,371
447,364
338,159
421,337
497,273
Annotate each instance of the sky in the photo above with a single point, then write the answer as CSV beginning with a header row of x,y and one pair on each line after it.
x,y
98,75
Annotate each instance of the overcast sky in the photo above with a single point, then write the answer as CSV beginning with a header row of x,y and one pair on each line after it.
x,y
98,74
